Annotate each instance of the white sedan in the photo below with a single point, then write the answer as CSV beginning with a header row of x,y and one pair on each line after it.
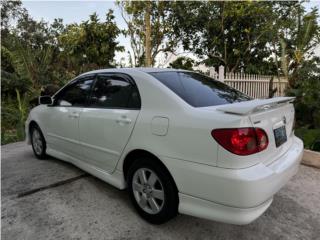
x,y
178,141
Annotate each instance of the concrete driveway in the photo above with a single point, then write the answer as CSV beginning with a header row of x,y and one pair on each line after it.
x,y
51,199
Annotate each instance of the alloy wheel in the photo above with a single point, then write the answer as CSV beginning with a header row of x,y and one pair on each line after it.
x,y
37,142
148,190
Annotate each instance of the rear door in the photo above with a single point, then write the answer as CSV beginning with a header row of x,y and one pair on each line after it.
x,y
106,124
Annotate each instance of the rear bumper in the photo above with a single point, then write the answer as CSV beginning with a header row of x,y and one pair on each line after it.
x,y
209,210
232,195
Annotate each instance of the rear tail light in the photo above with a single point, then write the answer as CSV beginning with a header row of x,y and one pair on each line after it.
x,y
241,141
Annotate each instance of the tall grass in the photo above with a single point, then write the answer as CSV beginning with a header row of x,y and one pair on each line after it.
x,y
13,117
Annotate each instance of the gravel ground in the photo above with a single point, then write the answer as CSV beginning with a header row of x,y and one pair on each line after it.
x,y
87,208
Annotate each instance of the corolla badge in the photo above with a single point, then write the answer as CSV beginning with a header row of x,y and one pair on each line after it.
x,y
284,120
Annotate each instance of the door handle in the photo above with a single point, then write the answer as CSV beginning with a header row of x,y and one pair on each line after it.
x,y
123,120
74,115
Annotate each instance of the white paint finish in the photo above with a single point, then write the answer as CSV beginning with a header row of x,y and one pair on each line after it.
x,y
159,126
241,188
116,178
62,129
271,120
103,135
217,212
265,120
248,107
98,140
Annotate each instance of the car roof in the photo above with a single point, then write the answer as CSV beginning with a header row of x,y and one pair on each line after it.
x,y
152,70
128,70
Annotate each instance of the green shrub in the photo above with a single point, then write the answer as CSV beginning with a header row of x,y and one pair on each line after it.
x,y
307,93
13,117
309,137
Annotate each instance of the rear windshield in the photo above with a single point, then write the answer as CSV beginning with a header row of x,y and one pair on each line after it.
x,y
199,90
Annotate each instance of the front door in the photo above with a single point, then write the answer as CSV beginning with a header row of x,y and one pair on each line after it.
x,y
106,124
63,120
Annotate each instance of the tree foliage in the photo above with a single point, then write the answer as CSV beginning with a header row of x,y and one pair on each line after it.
x,y
298,46
183,63
91,44
243,36
133,13
227,33
260,37
35,54
307,93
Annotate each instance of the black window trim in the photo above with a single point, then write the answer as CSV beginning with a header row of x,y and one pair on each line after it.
x,y
125,77
76,80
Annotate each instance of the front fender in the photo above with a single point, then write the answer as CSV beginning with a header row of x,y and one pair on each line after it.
x,y
33,117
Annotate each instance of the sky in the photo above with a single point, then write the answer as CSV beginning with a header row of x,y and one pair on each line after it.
x,y
78,11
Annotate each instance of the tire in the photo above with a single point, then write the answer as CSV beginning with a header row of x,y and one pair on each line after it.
x,y
155,198
38,142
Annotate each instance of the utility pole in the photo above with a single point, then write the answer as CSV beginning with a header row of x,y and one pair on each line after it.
x,y
148,35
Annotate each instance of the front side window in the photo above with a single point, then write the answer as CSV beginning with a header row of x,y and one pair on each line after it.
x,y
76,94
112,91
199,90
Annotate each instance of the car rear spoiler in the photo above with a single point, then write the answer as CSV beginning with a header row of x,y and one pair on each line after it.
x,y
256,105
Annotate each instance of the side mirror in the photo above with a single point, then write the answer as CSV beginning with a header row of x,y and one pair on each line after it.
x,y
47,100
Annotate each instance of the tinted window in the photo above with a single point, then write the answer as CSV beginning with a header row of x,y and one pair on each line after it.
x,y
171,80
199,90
114,92
76,94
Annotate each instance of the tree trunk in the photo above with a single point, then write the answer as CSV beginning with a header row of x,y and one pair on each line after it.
x,y
148,35
272,90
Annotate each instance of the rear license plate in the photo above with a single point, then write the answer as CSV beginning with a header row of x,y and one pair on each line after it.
x,y
280,135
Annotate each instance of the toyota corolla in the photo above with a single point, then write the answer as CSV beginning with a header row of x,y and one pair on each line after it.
x,y
177,140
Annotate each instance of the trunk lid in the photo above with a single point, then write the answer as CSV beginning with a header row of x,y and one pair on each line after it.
x,y
274,116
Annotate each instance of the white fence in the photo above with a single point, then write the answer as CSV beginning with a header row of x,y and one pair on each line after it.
x,y
256,86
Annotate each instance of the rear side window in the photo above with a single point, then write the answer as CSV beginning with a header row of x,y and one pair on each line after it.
x,y
111,91
199,90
